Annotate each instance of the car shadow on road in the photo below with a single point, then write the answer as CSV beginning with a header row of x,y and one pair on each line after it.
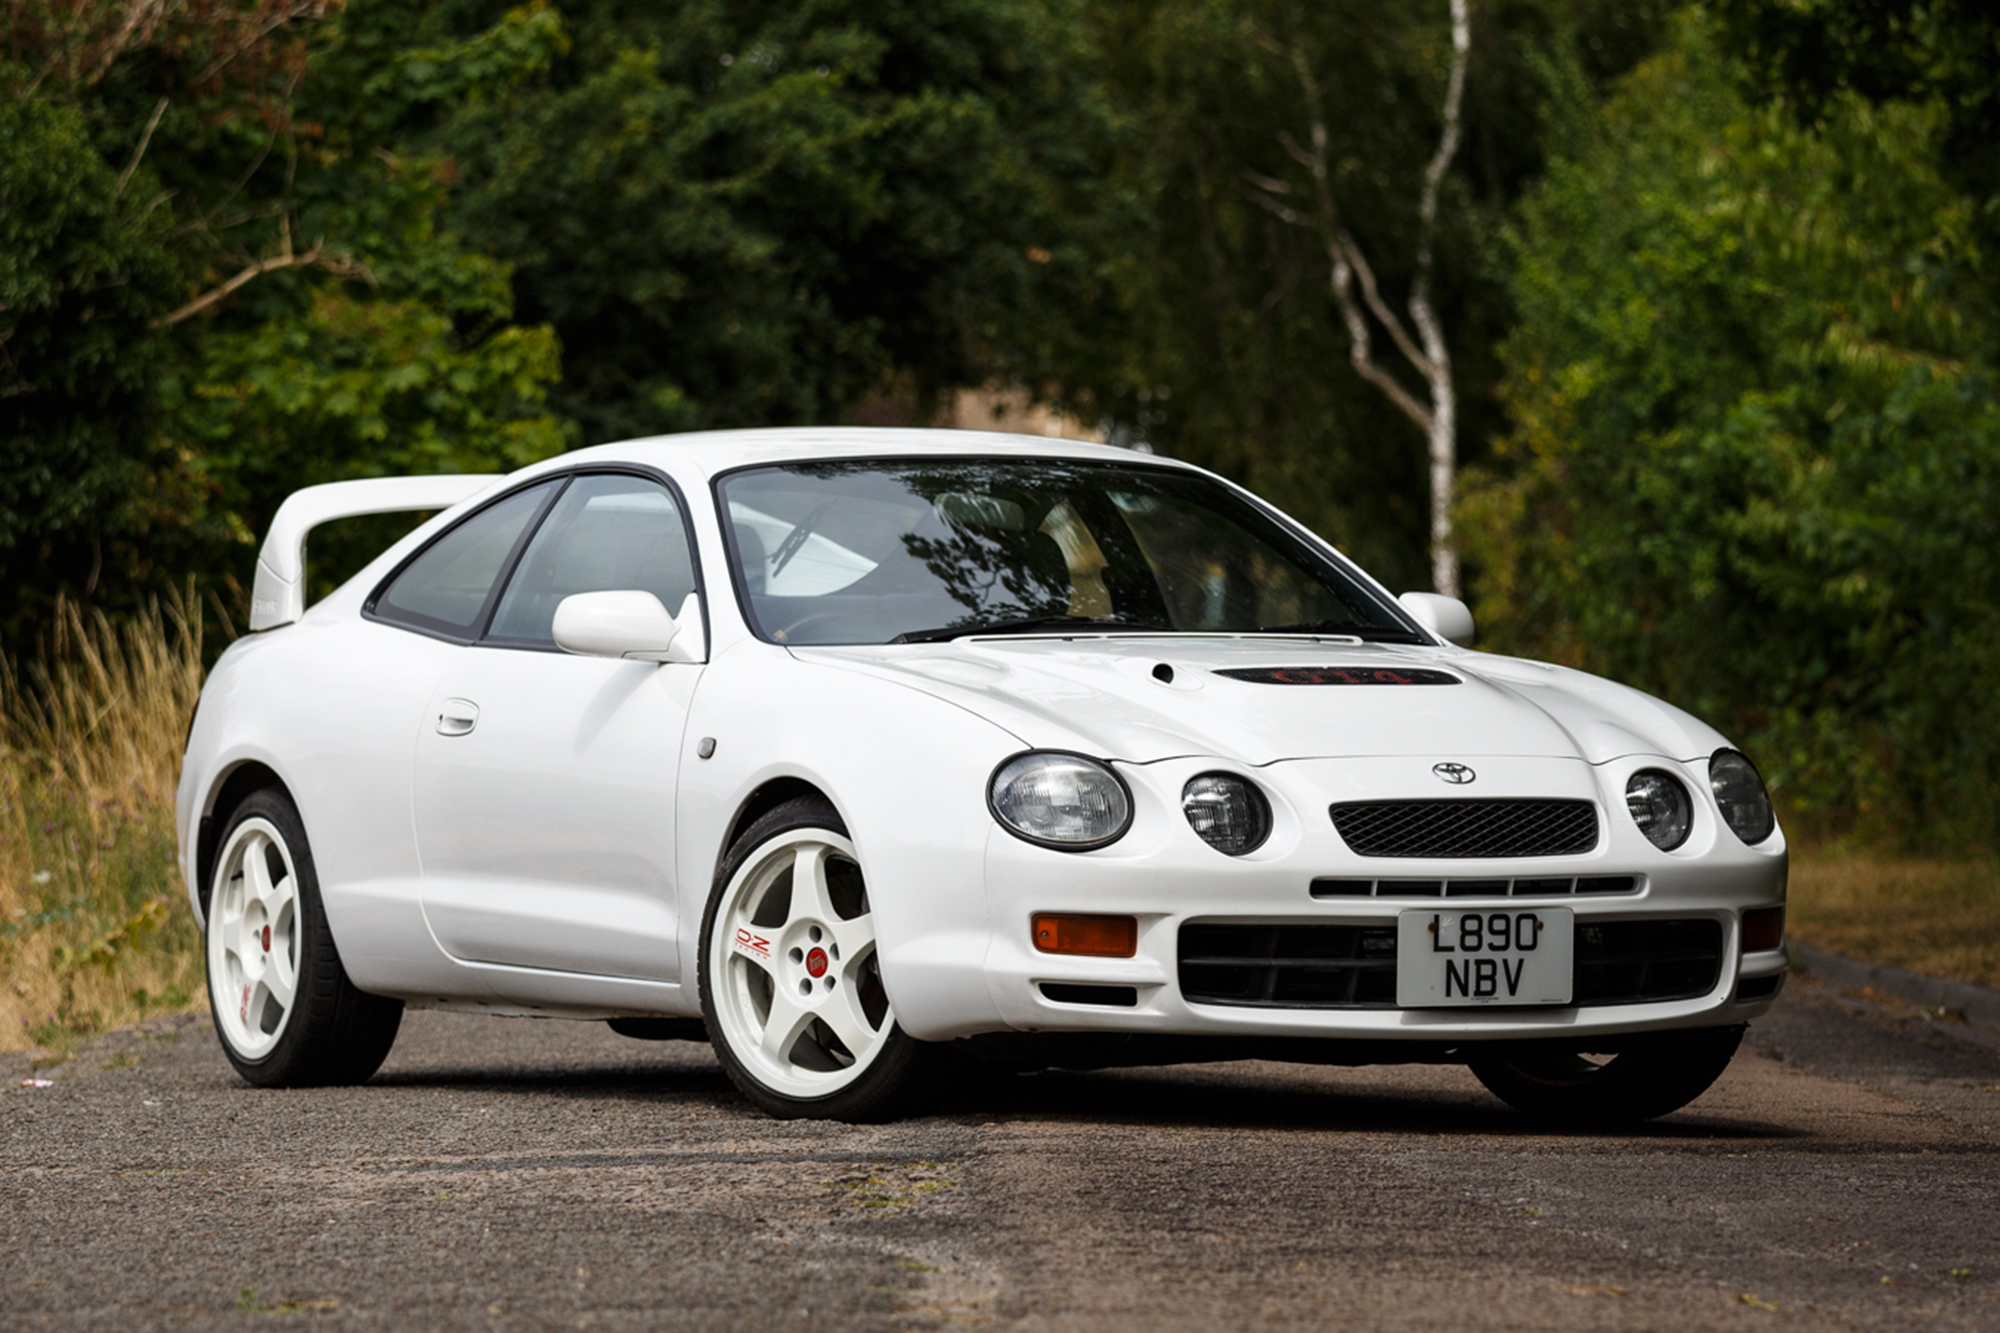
x,y
693,1077
1249,1098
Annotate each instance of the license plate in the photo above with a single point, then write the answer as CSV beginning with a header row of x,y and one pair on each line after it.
x,y
1489,956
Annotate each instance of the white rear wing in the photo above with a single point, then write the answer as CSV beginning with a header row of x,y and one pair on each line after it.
x,y
279,596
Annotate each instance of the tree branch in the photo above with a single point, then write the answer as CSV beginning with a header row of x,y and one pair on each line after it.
x,y
1348,262
1360,350
139,12
300,9
140,151
1424,365
340,264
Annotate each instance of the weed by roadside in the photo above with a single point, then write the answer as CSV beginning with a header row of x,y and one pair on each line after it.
x,y
93,932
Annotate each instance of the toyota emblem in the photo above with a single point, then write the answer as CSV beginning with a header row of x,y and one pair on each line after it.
x,y
1456,774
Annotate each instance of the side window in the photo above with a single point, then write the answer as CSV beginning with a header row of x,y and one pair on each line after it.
x,y
446,589
606,534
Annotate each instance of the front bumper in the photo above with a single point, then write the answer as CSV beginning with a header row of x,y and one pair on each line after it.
x,y
1166,878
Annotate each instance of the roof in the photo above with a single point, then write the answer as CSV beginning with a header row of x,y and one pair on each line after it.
x,y
710,452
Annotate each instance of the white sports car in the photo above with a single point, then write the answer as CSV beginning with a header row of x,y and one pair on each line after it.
x,y
850,749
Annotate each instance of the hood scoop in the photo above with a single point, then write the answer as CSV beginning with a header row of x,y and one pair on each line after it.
x,y
1341,675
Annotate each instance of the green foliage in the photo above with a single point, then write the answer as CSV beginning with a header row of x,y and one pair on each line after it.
x,y
762,213
1756,450
219,281
1940,52
84,265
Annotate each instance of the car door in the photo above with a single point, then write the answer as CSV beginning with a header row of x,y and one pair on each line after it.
x,y
544,781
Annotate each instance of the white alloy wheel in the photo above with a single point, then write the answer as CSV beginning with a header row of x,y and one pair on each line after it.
x,y
253,939
797,987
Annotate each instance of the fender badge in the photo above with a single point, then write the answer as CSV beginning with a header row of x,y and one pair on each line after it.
x,y
1456,774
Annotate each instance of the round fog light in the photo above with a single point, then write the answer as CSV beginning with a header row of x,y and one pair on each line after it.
x,y
1660,807
1227,812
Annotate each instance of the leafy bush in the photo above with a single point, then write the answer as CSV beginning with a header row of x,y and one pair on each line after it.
x,y
1755,464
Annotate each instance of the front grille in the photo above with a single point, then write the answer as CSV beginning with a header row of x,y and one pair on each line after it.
x,y
1289,967
1467,828
1354,967
1638,962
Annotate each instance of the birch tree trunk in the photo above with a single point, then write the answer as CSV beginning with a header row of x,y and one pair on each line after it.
x,y
1421,341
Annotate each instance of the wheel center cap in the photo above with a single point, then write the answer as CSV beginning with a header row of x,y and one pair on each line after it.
x,y
816,962
267,939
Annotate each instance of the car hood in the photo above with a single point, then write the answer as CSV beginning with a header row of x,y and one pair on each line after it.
x,y
1107,696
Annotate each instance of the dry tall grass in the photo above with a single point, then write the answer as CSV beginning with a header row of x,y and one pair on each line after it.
x,y
1941,918
94,931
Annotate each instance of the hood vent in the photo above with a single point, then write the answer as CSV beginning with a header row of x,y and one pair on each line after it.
x,y
1341,675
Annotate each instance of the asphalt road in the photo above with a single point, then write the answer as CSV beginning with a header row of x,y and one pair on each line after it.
x,y
505,1173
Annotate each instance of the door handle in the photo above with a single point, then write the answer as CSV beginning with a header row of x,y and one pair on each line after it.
x,y
457,717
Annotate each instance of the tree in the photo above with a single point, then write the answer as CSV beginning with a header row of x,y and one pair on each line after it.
x,y
1428,353
220,284
1756,452
763,213
1234,348
1945,52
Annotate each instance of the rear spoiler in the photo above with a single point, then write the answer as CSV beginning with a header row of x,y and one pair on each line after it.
x,y
279,596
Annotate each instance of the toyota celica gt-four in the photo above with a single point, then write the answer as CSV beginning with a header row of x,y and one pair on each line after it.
x,y
856,750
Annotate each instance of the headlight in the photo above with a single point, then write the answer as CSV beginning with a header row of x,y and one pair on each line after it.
x,y
1660,807
1227,812
1746,807
1060,800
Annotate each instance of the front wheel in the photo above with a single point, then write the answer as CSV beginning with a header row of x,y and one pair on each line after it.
x,y
791,986
1650,1076
281,1001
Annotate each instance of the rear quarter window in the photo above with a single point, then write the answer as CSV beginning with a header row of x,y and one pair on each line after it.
x,y
448,586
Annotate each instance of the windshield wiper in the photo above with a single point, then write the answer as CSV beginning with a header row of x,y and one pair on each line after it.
x,y
1025,625
1355,629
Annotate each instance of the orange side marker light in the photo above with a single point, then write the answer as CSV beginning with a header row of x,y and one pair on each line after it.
x,y
1095,936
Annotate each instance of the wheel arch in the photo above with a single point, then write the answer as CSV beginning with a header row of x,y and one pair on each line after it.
x,y
235,785
766,797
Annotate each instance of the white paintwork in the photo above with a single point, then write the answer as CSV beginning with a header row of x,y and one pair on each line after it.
x,y
279,595
1446,617
630,625
547,831
534,831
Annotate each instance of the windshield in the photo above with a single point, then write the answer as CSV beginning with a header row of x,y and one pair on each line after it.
x,y
886,551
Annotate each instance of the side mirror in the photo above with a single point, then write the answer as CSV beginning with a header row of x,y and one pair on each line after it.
x,y
632,625
1446,617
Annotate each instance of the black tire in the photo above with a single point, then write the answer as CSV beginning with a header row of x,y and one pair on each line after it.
x,y
893,1081
332,1034
1650,1076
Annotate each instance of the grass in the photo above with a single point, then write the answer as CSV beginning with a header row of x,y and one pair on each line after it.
x,y
1940,918
94,927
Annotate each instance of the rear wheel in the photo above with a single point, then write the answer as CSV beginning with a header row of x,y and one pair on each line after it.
x,y
1650,1076
280,999
791,986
